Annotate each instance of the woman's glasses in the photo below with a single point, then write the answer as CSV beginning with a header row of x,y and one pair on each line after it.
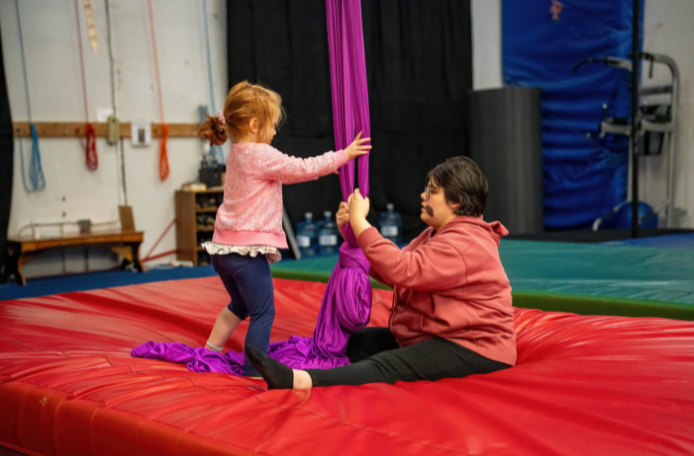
x,y
427,191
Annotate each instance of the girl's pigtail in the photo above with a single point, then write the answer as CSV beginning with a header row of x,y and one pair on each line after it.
x,y
212,130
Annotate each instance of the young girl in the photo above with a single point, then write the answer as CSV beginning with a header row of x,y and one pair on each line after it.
x,y
248,230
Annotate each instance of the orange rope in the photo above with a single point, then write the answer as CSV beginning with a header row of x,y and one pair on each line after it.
x,y
163,154
92,157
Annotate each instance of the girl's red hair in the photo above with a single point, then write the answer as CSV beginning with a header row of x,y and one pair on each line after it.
x,y
245,102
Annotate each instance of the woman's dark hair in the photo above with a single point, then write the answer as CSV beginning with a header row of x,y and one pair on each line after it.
x,y
462,182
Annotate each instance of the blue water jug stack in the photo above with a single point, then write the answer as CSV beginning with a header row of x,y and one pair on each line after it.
x,y
307,236
328,236
391,224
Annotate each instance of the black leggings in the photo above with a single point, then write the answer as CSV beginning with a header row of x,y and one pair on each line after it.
x,y
377,358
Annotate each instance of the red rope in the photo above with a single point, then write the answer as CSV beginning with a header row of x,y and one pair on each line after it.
x,y
92,157
159,255
147,257
90,147
163,154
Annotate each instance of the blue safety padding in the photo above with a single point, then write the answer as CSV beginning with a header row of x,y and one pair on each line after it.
x,y
584,175
96,280
625,271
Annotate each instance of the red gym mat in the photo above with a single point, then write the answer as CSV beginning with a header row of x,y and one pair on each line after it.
x,y
583,385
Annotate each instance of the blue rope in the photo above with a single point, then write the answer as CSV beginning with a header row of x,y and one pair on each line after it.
x,y
215,149
38,180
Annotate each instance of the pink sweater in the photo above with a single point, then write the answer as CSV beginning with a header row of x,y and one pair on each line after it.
x,y
252,209
449,284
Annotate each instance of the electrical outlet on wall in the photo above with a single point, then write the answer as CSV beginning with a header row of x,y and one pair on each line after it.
x,y
141,132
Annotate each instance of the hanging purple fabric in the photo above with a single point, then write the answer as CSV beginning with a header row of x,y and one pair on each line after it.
x,y
346,305
347,299
348,79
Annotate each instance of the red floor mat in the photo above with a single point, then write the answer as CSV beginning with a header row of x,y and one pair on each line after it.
x,y
583,385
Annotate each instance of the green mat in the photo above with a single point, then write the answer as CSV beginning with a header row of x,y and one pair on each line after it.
x,y
580,278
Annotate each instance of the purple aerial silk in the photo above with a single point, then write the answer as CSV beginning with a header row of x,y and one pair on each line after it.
x,y
348,79
346,305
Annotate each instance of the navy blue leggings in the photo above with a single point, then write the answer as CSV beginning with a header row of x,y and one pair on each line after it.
x,y
249,284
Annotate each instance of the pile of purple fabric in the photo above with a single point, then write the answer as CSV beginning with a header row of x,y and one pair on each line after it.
x,y
346,305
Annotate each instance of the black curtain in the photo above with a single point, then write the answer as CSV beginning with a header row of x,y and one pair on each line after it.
x,y
6,160
419,65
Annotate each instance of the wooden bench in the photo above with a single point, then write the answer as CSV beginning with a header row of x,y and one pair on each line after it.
x,y
23,249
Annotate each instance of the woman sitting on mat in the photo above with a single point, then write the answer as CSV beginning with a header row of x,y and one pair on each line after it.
x,y
248,228
452,313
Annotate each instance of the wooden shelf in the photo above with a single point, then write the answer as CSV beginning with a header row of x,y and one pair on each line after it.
x,y
207,209
77,129
210,190
187,237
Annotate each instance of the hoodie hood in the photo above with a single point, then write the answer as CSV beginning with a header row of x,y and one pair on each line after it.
x,y
495,229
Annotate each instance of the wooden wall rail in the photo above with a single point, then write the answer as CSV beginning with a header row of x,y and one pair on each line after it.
x,y
77,129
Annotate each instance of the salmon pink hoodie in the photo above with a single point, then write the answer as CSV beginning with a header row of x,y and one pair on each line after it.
x,y
449,284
